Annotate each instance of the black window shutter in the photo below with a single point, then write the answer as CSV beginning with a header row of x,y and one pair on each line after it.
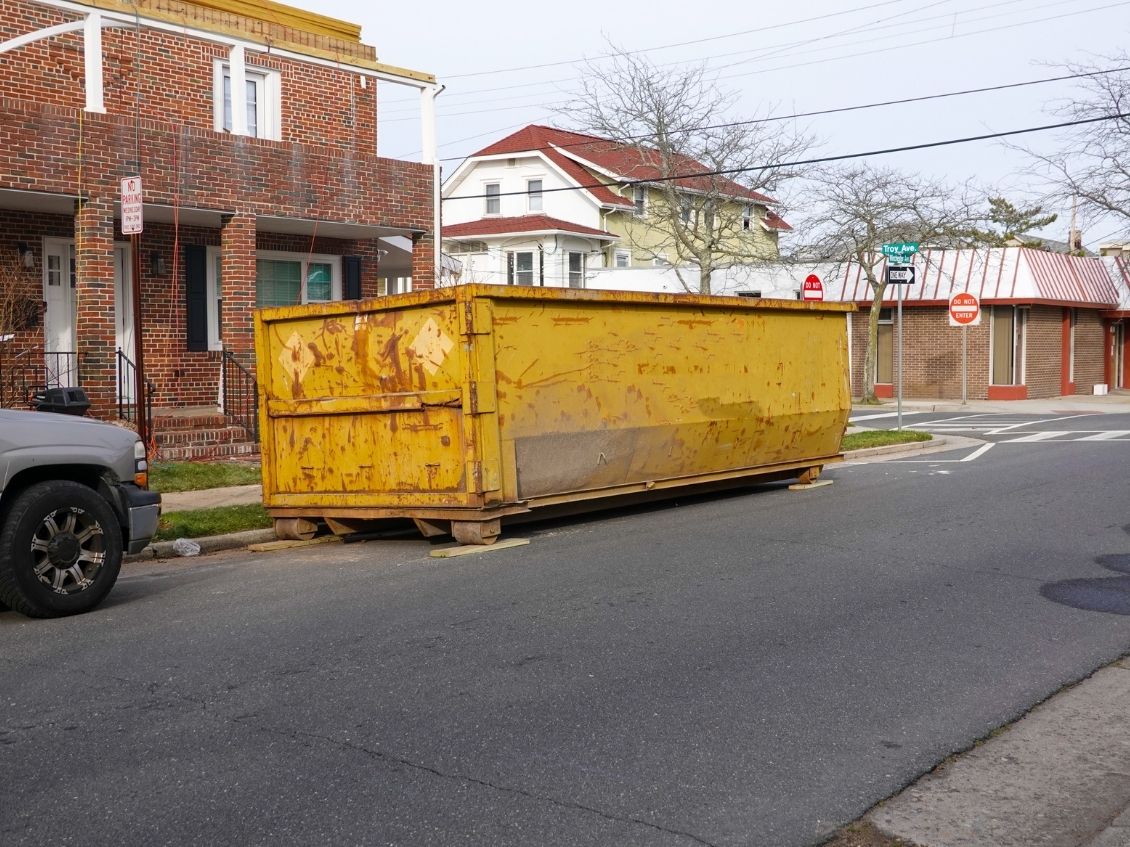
x,y
196,297
351,278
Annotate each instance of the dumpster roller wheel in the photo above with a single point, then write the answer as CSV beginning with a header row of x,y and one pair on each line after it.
x,y
295,529
476,532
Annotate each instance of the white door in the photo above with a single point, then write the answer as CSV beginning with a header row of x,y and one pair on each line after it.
x,y
61,358
123,322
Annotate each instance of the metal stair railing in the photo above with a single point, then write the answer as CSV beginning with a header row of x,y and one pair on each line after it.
x,y
127,393
241,395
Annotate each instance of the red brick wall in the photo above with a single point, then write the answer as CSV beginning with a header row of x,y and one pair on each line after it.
x,y
170,77
932,355
1090,340
1044,352
325,168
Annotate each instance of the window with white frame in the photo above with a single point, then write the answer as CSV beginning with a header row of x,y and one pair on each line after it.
x,y
263,101
493,192
639,199
576,270
287,279
520,268
621,258
461,247
747,218
533,195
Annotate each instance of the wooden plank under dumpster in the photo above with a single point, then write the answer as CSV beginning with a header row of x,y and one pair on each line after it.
x,y
461,406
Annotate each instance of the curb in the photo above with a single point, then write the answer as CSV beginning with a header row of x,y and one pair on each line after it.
x,y
241,540
934,445
208,544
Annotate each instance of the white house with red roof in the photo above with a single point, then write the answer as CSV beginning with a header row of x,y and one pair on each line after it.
x,y
546,206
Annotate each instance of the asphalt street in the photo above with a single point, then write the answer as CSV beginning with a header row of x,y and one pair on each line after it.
x,y
752,668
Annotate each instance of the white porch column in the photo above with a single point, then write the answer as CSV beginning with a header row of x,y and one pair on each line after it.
x,y
92,56
430,156
237,71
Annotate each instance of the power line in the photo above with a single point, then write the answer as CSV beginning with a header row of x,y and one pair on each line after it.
x,y
769,51
680,43
726,172
834,110
765,52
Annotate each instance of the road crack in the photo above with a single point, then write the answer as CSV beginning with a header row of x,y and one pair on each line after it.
x,y
389,758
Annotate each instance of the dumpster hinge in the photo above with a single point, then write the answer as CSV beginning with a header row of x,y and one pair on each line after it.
x,y
475,317
484,476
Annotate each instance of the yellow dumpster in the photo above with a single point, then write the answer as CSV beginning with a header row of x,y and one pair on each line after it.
x,y
461,406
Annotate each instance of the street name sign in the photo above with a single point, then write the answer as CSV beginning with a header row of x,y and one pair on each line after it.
x,y
813,289
131,205
965,310
899,251
900,274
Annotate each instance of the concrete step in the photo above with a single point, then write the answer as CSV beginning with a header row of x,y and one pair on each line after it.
x,y
202,420
199,436
244,451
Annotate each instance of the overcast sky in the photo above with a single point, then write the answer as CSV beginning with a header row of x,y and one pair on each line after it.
x,y
798,57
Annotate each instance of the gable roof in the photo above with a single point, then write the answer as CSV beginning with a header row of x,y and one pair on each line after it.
x,y
545,140
523,224
624,162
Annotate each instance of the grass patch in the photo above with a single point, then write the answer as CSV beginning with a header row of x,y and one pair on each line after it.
x,y
168,477
215,521
882,438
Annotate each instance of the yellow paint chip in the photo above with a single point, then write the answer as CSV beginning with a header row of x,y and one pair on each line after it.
x,y
431,346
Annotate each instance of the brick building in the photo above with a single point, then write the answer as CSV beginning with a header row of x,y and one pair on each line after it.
x,y
1049,327
253,127
1051,324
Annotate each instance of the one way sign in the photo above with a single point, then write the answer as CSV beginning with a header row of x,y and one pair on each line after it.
x,y
900,275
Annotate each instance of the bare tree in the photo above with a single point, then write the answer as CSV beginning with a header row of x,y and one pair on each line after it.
x,y
857,208
674,121
1092,162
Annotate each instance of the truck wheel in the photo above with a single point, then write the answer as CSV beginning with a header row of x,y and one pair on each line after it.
x,y
60,550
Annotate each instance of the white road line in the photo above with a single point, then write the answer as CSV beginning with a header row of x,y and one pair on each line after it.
x,y
1038,436
1105,436
976,454
980,451
878,415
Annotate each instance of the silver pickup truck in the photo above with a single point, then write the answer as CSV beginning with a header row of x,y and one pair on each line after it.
x,y
73,498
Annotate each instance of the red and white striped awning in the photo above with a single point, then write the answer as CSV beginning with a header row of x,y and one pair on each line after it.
x,y
996,275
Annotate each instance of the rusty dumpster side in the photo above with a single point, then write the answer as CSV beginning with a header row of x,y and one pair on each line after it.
x,y
461,406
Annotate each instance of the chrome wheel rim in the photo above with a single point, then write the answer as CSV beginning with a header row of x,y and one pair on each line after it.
x,y
68,549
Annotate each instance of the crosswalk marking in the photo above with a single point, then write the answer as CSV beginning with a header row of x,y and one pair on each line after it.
x,y
1037,436
1109,435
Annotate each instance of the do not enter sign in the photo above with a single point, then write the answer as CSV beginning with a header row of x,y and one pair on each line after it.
x,y
965,310
813,289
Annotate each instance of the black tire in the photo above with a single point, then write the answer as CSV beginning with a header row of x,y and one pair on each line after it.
x,y
60,550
